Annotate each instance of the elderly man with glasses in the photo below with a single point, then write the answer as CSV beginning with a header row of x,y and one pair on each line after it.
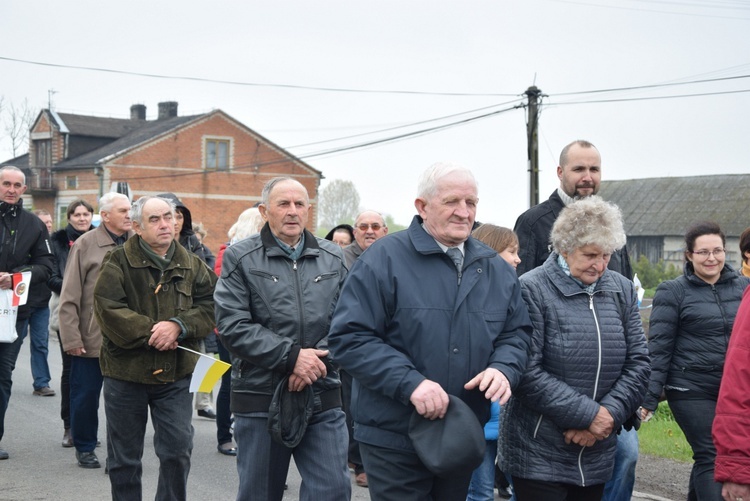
x,y
368,227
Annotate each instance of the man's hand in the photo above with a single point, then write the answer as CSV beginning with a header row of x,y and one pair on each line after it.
x,y
6,280
430,400
309,367
734,492
493,383
76,352
164,335
296,383
603,424
584,438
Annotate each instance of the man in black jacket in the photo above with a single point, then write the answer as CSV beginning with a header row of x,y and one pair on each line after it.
x,y
24,246
580,174
273,306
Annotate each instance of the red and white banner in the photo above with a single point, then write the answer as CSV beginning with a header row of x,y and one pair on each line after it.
x,y
10,300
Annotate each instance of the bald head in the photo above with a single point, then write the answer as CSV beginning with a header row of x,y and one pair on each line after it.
x,y
368,227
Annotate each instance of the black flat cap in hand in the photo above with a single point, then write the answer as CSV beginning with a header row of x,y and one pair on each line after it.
x,y
450,446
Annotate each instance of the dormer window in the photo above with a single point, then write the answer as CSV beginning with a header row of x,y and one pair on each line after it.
x,y
43,152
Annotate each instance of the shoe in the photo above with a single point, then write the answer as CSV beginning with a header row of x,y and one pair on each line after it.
x,y
67,438
87,460
207,413
44,392
361,479
227,449
4,454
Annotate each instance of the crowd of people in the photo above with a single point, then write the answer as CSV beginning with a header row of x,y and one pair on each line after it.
x,y
439,362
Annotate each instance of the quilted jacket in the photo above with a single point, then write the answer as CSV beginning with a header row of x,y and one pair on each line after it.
x,y
587,351
691,322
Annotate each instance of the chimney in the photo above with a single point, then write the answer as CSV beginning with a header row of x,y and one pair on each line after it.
x,y
138,112
167,109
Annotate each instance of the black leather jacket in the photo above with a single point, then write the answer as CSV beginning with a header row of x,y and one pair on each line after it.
x,y
268,307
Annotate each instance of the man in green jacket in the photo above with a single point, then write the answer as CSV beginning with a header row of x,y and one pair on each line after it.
x,y
151,296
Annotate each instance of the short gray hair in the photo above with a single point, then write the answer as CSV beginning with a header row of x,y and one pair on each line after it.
x,y
136,210
108,200
13,168
428,181
359,216
589,221
265,195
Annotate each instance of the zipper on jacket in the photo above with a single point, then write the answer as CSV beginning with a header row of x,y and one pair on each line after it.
x,y
538,425
599,346
580,466
299,305
727,332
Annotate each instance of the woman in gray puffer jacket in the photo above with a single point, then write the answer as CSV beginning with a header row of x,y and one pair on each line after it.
x,y
588,367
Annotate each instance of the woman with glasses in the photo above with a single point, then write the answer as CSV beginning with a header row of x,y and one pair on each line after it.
x,y
690,325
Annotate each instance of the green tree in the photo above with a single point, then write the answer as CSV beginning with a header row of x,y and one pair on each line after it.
x,y
652,275
339,203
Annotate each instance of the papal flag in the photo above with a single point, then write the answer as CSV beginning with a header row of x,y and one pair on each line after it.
x,y
10,300
207,372
21,287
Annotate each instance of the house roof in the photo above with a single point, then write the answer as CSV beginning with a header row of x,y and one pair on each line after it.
x,y
21,161
666,206
83,125
144,132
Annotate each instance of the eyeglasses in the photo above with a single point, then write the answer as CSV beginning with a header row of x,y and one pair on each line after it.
x,y
704,253
374,226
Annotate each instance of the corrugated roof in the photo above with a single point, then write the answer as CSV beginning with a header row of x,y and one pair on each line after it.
x,y
666,206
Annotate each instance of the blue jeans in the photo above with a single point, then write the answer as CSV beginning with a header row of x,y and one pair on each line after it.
x,y
482,486
126,406
38,346
620,486
8,356
223,413
320,457
85,388
695,418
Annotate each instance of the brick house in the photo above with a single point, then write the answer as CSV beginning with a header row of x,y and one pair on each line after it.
x,y
216,165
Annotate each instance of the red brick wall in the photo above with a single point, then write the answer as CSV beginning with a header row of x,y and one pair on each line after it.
x,y
174,164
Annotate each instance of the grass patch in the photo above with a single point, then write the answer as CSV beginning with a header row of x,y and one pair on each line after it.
x,y
662,437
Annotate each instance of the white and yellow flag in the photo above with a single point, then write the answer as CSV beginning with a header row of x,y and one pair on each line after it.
x,y
207,372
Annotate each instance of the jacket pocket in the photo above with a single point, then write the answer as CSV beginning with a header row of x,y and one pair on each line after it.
x,y
184,295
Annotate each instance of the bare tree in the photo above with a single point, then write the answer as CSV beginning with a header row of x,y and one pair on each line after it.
x,y
17,121
339,203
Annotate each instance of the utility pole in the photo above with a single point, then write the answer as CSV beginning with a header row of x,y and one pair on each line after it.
x,y
532,130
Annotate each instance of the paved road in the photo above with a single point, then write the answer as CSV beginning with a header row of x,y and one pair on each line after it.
x,y
39,468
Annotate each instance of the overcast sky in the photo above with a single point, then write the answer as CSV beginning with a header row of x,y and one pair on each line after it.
x,y
488,53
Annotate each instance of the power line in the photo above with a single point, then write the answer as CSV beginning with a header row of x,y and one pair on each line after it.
x,y
653,86
403,126
254,84
718,93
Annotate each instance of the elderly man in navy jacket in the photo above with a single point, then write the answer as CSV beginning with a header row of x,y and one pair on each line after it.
x,y
426,313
